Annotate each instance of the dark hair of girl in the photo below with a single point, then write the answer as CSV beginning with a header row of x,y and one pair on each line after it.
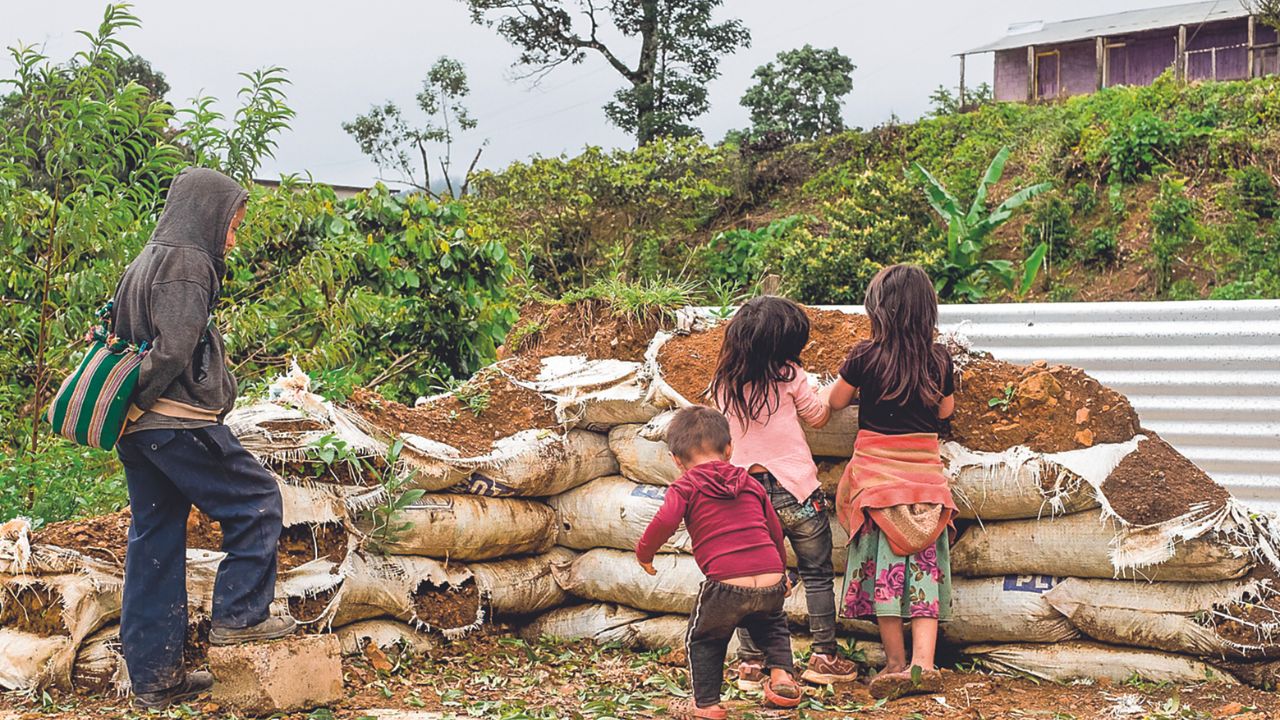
x,y
903,308
761,348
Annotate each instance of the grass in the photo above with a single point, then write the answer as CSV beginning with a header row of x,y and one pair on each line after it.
x,y
638,299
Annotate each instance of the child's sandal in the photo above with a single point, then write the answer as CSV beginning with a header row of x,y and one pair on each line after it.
x,y
687,709
787,695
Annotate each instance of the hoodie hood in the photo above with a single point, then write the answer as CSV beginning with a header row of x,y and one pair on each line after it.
x,y
197,212
719,479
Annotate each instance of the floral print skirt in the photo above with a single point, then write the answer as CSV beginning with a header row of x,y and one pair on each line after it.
x,y
879,583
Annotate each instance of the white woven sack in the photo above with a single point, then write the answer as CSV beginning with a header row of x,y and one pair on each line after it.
x,y
1085,545
385,635
1005,609
600,622
385,587
530,463
1068,661
594,394
469,527
1176,617
614,576
522,586
611,512
641,458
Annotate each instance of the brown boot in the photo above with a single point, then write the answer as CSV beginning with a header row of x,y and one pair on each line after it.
x,y
829,669
273,628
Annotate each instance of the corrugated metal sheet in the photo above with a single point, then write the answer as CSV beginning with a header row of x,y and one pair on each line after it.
x,y
1204,375
1024,34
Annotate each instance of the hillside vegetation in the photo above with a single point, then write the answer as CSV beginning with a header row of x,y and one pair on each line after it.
x,y
1161,192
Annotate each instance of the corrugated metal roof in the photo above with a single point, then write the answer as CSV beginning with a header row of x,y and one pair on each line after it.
x,y
1048,33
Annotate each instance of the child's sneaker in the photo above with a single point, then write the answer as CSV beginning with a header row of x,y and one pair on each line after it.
x,y
750,676
828,669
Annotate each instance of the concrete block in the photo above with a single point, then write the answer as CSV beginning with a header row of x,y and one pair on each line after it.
x,y
290,675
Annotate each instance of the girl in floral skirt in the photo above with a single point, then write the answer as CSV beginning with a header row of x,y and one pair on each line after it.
x,y
894,498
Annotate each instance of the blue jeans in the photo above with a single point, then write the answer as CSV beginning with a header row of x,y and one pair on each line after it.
x,y
167,472
806,525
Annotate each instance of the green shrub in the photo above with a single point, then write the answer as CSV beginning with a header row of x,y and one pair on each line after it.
x,y
737,257
1050,223
878,223
1184,289
1253,192
62,482
1083,198
1173,223
1264,285
1138,143
1100,248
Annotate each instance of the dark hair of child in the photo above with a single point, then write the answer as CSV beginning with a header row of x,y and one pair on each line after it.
x,y
697,429
903,308
761,349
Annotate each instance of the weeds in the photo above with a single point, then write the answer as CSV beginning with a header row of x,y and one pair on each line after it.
x,y
1005,399
474,395
386,528
638,300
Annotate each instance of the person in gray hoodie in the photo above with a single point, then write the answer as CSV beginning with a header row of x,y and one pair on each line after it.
x,y
177,453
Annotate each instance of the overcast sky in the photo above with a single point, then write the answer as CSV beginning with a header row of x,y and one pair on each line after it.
x,y
344,56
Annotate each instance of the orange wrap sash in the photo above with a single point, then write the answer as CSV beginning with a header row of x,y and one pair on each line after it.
x,y
897,480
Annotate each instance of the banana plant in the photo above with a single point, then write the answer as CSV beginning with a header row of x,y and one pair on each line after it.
x,y
965,273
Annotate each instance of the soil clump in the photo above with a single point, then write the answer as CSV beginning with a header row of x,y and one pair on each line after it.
x,y
32,607
307,610
299,544
1156,483
104,537
446,607
486,408
1048,408
300,425
688,362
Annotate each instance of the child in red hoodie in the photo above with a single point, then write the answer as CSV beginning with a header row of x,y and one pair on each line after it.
x,y
737,542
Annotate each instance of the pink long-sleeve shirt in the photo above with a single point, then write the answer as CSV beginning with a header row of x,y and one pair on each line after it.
x,y
777,442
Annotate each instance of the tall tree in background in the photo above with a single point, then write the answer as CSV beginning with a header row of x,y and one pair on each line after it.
x,y
798,96
679,52
387,139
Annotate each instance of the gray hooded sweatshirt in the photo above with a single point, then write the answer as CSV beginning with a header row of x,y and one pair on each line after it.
x,y
166,297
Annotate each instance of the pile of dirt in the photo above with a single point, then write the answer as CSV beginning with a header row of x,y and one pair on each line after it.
x,y
104,537
1156,483
486,408
688,362
591,328
446,607
195,652
299,544
300,425
1048,408
366,473
32,607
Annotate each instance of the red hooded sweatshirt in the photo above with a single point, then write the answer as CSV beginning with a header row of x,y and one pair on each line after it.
x,y
735,530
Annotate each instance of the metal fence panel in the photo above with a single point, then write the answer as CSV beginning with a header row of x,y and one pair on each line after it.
x,y
1205,375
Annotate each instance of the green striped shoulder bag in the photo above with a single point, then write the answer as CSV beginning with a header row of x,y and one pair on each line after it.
x,y
92,404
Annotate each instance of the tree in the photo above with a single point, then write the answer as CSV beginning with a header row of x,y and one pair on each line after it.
x,y
678,55
1267,11
799,95
136,68
386,138
945,102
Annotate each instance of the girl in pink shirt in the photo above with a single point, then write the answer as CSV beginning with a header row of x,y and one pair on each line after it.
x,y
764,392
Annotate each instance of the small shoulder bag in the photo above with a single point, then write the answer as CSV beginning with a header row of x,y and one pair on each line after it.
x,y
91,406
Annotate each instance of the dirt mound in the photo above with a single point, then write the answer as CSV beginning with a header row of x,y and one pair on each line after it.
x,y
1047,408
1250,623
32,607
591,328
688,362
104,537
446,607
299,544
486,408
307,610
1156,483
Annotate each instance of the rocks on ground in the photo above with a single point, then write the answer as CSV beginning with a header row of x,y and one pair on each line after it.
x,y
290,675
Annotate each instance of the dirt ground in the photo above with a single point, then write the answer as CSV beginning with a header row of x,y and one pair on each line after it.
x,y
1156,483
492,675
589,328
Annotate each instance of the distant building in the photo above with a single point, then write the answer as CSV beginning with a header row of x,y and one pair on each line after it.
x,y
1200,41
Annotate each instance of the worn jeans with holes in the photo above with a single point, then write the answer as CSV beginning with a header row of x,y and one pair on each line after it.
x,y
806,525
720,608
168,471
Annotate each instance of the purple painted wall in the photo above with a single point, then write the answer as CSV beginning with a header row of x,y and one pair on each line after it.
x,y
1214,52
